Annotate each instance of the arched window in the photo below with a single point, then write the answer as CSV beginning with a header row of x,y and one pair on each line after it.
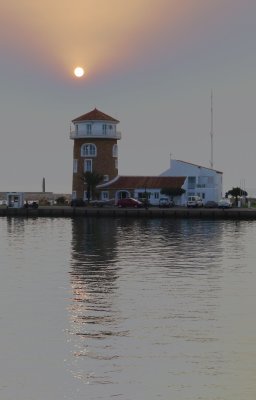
x,y
88,149
115,150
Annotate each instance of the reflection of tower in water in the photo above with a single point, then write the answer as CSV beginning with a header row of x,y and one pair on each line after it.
x,y
94,315
93,256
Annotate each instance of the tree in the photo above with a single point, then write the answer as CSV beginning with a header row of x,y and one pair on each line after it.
x,y
236,192
91,180
61,200
169,191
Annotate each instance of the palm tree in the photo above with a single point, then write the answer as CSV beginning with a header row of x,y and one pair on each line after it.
x,y
236,192
91,180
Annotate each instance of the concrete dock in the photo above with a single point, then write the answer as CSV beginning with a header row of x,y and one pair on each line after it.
x,y
114,212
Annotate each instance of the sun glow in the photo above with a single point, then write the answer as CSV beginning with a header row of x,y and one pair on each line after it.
x,y
120,38
79,72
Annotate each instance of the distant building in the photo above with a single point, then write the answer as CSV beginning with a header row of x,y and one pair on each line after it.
x,y
15,199
40,197
95,149
201,181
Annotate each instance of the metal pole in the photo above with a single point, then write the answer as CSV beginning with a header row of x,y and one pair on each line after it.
x,y
211,132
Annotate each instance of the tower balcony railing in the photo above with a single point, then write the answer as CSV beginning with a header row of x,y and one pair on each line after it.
x,y
95,134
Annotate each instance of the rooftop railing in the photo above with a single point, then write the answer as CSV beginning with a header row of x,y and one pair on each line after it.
x,y
95,134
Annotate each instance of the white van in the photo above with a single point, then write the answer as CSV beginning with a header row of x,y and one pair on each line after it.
x,y
194,201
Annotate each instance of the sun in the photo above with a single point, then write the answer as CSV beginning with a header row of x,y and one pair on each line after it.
x,y
79,72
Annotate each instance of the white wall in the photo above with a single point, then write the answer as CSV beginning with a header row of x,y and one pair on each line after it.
x,y
208,182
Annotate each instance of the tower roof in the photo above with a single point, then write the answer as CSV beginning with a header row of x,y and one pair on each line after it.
x,y
95,115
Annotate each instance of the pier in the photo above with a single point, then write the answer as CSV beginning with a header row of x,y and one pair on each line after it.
x,y
114,212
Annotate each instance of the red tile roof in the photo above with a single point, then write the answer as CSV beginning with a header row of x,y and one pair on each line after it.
x,y
148,182
95,115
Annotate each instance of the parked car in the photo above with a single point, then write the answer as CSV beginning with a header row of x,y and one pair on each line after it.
x,y
31,204
211,204
77,203
129,202
194,201
102,203
225,203
164,202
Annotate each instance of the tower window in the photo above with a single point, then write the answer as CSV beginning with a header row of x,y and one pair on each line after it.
x,y
88,149
87,165
115,150
74,166
104,129
88,129
105,178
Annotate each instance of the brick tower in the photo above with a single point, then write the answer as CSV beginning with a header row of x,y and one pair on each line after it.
x,y
95,149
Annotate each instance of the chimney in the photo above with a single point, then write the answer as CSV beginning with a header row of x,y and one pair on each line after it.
x,y
43,185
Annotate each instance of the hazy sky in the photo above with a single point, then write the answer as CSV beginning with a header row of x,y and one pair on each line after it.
x,y
149,63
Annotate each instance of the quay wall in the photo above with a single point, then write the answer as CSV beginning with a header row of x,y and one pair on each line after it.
x,y
114,212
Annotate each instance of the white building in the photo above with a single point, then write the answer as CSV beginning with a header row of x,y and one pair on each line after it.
x,y
141,187
15,199
200,181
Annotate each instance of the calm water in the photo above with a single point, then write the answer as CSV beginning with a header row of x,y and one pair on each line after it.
x,y
127,309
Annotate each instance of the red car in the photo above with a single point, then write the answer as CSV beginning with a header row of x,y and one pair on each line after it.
x,y
129,202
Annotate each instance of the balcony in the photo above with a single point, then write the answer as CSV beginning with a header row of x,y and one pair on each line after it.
x,y
99,134
209,185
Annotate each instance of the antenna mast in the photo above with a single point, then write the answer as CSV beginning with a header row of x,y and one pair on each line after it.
x,y
211,132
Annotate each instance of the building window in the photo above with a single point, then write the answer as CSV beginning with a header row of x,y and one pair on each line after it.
x,y
191,182
115,150
74,194
210,180
87,165
74,166
88,129
88,149
104,195
156,195
105,178
143,195
76,129
202,181
85,195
